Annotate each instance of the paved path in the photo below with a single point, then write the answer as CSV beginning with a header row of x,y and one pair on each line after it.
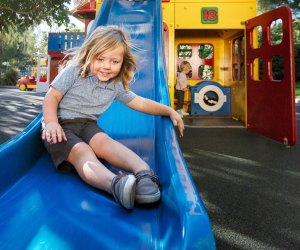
x,y
250,185
17,110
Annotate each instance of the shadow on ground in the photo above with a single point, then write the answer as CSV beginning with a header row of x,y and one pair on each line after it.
x,y
17,112
250,187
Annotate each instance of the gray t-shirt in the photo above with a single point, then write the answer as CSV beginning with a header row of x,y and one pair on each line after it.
x,y
86,97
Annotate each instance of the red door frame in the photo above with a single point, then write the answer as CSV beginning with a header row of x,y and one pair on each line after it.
x,y
271,107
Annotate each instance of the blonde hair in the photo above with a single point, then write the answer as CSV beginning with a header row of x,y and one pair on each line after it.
x,y
102,39
185,65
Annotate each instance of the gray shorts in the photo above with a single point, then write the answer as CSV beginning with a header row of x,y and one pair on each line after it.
x,y
76,130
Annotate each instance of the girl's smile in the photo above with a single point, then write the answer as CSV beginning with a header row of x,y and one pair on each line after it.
x,y
107,65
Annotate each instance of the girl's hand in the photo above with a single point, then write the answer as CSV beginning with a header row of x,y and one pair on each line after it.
x,y
177,121
53,133
148,106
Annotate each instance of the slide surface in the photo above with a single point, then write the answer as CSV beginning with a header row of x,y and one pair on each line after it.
x,y
41,208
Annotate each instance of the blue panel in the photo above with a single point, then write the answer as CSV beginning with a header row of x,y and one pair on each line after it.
x,y
43,209
50,42
210,98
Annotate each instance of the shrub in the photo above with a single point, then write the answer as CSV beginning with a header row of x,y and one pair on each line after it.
x,y
11,76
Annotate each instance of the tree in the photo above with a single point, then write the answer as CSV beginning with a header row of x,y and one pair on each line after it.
x,y
265,5
26,13
42,45
72,28
297,48
17,49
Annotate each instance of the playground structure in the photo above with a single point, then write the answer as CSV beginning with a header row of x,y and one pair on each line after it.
x,y
58,43
28,82
29,70
221,42
58,211
36,77
222,46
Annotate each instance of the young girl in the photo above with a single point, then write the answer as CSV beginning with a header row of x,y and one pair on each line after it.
x,y
181,87
100,72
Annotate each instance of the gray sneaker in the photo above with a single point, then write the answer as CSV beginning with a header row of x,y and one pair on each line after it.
x,y
123,189
147,187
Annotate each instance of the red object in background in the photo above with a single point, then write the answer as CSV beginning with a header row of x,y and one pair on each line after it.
x,y
43,79
29,82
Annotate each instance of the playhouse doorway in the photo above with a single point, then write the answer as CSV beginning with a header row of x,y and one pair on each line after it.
x,y
217,79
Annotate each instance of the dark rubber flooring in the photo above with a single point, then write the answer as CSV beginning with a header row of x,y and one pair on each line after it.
x,y
250,185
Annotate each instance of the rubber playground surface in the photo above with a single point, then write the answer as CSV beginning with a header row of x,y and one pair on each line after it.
x,y
249,184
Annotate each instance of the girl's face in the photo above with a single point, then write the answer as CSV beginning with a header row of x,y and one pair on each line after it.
x,y
186,70
108,64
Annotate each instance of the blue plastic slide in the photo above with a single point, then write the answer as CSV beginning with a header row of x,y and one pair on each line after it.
x,y
41,208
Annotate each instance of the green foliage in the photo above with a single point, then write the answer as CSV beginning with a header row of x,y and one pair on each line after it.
x,y
26,13
296,26
11,76
17,49
297,95
42,44
72,28
266,5
17,46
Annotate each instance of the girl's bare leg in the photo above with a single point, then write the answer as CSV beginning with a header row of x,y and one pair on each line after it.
x,y
89,168
117,154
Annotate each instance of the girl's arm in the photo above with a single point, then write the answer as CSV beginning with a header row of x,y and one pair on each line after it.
x,y
154,108
52,131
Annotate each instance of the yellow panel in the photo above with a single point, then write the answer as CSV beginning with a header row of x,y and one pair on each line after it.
x,y
198,37
31,86
168,19
230,15
98,3
168,13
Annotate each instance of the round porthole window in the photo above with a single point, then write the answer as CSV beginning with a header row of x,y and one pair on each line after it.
x,y
210,98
